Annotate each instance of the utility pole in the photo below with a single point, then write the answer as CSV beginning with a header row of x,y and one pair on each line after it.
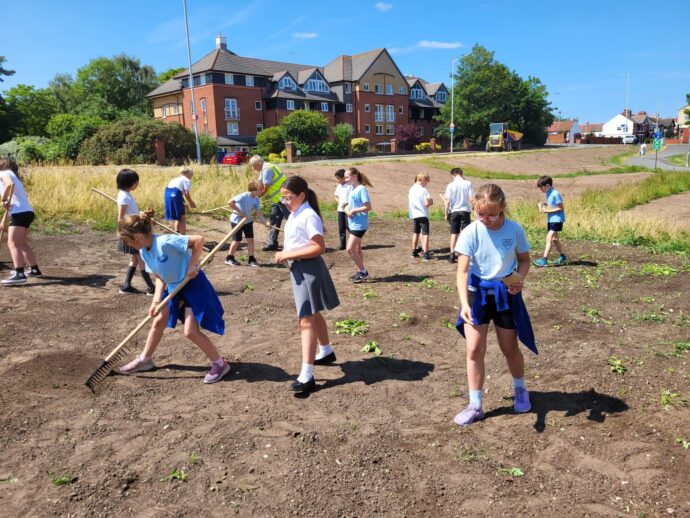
x,y
191,86
452,102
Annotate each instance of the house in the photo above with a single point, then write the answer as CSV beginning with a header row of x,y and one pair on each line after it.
x,y
620,125
683,124
666,125
563,132
237,97
592,128
426,101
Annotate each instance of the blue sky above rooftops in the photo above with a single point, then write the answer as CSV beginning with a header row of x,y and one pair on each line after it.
x,y
576,48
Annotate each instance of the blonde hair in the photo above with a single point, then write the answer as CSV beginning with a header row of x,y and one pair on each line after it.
x,y
361,177
421,177
186,171
254,185
133,224
488,194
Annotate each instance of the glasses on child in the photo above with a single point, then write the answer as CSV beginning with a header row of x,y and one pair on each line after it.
x,y
287,198
489,217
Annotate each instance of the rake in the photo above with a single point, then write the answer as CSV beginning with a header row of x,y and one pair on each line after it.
x,y
166,227
117,354
6,216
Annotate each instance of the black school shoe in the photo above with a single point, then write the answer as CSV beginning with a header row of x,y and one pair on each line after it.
x,y
269,248
129,290
298,386
326,360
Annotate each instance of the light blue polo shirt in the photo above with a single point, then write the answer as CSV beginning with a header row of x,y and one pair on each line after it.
x,y
247,203
553,198
492,253
356,199
168,258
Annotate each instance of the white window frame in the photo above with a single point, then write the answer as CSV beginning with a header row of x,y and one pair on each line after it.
x,y
389,89
378,89
390,129
259,128
324,107
348,88
367,108
379,129
416,93
232,110
365,87
230,126
316,85
348,108
286,83
441,96
249,81
421,131
258,106
390,113
290,104
401,90
367,128
378,113
202,103
229,79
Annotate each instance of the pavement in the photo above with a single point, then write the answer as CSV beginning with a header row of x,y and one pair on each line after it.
x,y
662,162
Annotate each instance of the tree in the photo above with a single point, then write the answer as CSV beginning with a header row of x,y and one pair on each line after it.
x,y
4,71
532,111
407,135
7,118
270,140
342,133
169,74
67,133
33,108
305,127
62,89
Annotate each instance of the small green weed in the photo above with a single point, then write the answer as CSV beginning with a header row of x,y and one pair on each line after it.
x,y
247,287
194,458
680,347
404,317
368,294
448,323
447,288
616,365
658,270
62,479
513,472
372,347
454,391
177,474
669,398
684,442
648,300
591,278
429,283
351,327
472,455
593,314
648,317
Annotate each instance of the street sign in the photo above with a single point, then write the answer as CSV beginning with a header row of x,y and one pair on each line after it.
x,y
452,129
658,135
657,144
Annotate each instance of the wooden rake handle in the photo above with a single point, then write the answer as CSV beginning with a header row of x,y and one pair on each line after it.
x,y
182,284
166,227
228,209
6,216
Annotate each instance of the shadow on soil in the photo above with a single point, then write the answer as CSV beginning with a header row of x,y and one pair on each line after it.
x,y
376,247
374,370
92,281
400,278
572,403
250,372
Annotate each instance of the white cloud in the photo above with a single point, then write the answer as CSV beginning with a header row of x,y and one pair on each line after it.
x,y
305,35
438,44
382,6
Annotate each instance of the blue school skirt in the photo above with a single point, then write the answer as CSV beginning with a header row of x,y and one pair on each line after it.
x,y
174,204
199,295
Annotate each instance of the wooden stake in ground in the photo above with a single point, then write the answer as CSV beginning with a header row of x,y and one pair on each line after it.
x,y
122,348
166,227
6,216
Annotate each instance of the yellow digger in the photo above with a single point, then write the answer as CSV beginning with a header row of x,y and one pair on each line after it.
x,y
503,139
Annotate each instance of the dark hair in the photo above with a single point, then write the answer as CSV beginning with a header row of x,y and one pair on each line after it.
x,y
9,163
126,178
545,180
298,185
361,177
340,173
133,224
456,171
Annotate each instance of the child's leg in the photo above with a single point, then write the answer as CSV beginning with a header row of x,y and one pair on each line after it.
x,y
250,246
16,239
203,342
549,240
321,329
22,239
155,333
425,242
453,241
476,351
507,341
342,229
182,225
354,248
415,240
234,245
557,243
308,329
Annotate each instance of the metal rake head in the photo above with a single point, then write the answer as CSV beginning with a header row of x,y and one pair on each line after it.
x,y
105,368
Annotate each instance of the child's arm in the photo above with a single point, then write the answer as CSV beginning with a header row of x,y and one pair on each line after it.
x,y
315,248
428,201
463,269
196,243
552,208
157,296
364,208
7,181
522,269
233,205
189,199
121,211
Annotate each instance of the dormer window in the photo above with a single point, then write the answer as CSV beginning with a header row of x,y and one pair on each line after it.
x,y
441,96
286,83
316,84
416,93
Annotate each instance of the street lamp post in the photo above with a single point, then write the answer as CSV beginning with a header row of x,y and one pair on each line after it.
x,y
627,97
191,85
452,101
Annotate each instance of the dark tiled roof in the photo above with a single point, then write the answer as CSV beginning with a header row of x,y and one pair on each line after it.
x,y
421,103
350,68
169,87
236,140
300,94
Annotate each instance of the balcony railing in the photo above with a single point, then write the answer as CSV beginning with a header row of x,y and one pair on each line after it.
x,y
232,114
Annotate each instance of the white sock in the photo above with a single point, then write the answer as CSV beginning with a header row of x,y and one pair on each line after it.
x,y
306,373
324,350
143,357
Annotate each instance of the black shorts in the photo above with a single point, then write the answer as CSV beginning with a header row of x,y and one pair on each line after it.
x,y
22,219
247,230
458,221
503,319
357,233
556,226
420,225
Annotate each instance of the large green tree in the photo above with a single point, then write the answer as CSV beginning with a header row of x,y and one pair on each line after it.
x,y
33,108
488,91
6,117
169,74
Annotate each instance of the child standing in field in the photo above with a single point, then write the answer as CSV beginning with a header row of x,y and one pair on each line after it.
x,y
489,250
169,258
176,192
342,191
127,181
555,218
21,215
457,208
419,202
243,205
311,282
358,207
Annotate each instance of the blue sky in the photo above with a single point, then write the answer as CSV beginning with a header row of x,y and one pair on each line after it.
x,y
574,47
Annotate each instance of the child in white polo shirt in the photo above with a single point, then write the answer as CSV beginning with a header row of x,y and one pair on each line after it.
x,y
419,203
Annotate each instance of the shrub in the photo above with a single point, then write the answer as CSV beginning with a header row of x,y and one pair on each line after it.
x,y
305,127
275,158
67,133
360,145
270,140
407,135
25,150
209,148
423,147
329,148
342,133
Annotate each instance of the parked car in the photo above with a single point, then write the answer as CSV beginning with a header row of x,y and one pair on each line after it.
x,y
236,158
629,139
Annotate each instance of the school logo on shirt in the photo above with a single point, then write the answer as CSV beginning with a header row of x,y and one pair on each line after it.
x,y
163,259
507,244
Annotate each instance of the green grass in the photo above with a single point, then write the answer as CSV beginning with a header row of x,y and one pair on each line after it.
x,y
678,160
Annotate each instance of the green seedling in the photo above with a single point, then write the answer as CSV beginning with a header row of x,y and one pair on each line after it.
x,y
447,288
513,472
368,294
372,347
62,479
404,317
648,300
669,398
658,270
177,474
616,365
472,456
648,317
429,283
247,287
9,480
454,391
593,314
684,442
448,323
194,458
351,327
558,327
680,347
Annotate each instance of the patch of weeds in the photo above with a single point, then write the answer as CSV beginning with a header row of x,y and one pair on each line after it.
x,y
368,294
683,442
558,327
472,455
648,317
449,324
680,347
682,320
648,300
177,474
513,472
247,287
62,479
614,263
352,425
616,365
454,391
447,288
404,317
429,283
593,314
193,458
372,347
669,399
351,327
591,278
9,480
658,270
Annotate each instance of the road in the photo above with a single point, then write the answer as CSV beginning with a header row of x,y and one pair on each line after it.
x,y
664,155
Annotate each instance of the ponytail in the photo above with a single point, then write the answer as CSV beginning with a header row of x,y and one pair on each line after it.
x,y
361,177
298,185
134,224
314,202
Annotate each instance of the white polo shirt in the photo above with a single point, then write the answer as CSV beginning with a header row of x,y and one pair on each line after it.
x,y
416,198
459,194
180,182
301,227
19,202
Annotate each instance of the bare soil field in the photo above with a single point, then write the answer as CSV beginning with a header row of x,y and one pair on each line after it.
x,y
377,437
672,209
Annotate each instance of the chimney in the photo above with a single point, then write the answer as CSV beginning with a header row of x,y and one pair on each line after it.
x,y
221,42
627,113
642,113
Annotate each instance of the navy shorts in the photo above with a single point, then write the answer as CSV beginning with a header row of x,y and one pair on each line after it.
x,y
420,225
458,221
556,226
358,233
502,319
247,230
22,219
174,204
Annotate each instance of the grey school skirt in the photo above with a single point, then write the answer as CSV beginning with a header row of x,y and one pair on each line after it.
x,y
312,286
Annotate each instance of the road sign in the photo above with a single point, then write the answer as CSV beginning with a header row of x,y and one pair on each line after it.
x,y
658,135
657,144
452,129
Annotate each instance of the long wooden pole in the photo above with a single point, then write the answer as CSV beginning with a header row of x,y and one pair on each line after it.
x,y
166,227
6,216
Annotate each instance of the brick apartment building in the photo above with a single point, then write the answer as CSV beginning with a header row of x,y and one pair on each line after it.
x,y
237,97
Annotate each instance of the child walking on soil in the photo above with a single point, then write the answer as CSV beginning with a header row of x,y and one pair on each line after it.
x,y
493,261
311,281
175,193
555,217
342,191
457,202
358,206
21,215
169,258
127,181
419,202
243,205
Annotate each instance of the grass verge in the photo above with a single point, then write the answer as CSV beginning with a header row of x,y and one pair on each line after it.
x,y
678,160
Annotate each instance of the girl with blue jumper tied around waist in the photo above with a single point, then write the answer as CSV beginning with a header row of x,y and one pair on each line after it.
x,y
171,258
176,192
357,210
493,261
555,217
312,285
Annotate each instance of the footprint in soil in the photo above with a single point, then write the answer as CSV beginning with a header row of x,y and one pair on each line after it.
x,y
572,403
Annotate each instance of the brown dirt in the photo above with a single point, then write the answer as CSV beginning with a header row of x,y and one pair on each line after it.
x,y
672,209
377,437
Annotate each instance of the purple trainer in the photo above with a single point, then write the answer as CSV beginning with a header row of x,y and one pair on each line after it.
x,y
217,372
521,403
469,416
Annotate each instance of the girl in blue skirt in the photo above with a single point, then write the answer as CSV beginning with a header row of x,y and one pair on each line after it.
x,y
175,193
171,258
311,282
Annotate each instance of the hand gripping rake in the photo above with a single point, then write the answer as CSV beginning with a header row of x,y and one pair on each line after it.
x,y
119,352
6,216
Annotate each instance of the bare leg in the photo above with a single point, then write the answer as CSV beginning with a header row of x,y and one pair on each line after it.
x,y
309,330
16,237
425,243
321,329
203,342
507,341
453,242
549,239
182,225
250,246
354,248
476,350
233,247
415,240
557,243
156,333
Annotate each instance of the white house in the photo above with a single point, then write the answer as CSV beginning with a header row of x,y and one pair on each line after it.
x,y
619,126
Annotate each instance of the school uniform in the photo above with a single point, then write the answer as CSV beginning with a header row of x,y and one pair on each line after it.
x,y
21,212
418,212
554,220
247,204
358,223
459,192
125,198
168,257
174,197
342,191
312,285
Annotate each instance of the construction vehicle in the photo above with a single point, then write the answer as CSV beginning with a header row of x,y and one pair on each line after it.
x,y
503,139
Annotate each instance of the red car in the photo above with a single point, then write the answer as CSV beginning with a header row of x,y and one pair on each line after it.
x,y
236,158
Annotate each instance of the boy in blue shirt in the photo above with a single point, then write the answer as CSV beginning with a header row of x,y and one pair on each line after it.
x,y
555,216
243,205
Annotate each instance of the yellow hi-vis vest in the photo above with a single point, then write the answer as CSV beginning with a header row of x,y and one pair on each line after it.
x,y
273,191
